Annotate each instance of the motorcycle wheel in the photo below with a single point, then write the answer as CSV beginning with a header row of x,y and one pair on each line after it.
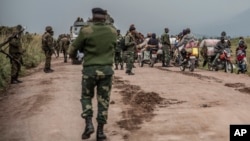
x,y
182,67
178,60
229,67
152,62
192,65
140,61
210,67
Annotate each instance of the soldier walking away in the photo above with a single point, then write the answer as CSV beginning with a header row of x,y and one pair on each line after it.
x,y
48,48
16,52
97,41
118,52
166,46
65,42
130,43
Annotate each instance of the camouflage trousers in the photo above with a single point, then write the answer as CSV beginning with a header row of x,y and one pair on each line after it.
x,y
65,53
48,55
16,66
129,59
103,84
118,58
166,54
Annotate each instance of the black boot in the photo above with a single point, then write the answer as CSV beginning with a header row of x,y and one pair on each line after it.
x,y
13,80
18,81
163,64
116,67
127,71
89,128
100,136
130,73
121,67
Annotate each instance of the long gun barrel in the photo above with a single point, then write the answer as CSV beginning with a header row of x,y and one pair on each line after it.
x,y
11,37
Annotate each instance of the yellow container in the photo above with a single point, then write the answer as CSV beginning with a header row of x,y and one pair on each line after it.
x,y
195,51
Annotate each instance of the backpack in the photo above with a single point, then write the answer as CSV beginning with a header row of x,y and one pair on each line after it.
x,y
122,44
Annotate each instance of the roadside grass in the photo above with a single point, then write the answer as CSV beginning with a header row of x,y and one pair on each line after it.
x,y
32,57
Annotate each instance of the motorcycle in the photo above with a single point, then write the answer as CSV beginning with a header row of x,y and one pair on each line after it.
x,y
176,56
241,62
222,63
147,57
190,59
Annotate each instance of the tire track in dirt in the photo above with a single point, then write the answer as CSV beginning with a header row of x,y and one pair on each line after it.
x,y
199,76
239,87
142,105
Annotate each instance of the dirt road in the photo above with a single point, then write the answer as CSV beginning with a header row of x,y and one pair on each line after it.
x,y
156,104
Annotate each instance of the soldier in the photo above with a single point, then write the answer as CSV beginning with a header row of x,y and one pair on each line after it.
x,y
16,51
118,52
130,42
65,42
48,48
58,45
166,46
97,41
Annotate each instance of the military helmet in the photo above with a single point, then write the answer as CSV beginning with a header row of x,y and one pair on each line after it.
x,y
19,27
166,29
223,33
188,30
48,28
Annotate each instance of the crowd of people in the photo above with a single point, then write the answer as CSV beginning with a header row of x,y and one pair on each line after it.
x,y
104,47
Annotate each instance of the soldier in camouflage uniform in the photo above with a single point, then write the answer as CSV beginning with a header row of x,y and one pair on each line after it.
x,y
58,45
166,46
130,43
65,42
16,51
48,48
118,52
97,41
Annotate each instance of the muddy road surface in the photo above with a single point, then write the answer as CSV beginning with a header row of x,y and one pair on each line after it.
x,y
156,104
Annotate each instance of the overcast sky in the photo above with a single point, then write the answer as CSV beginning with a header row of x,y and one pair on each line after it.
x,y
147,15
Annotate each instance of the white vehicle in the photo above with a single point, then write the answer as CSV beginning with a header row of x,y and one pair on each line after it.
x,y
74,32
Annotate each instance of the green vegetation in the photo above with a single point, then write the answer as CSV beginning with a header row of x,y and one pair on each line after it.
x,y
32,56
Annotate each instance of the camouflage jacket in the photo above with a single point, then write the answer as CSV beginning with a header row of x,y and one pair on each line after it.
x,y
118,46
130,42
15,47
47,42
165,39
65,42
